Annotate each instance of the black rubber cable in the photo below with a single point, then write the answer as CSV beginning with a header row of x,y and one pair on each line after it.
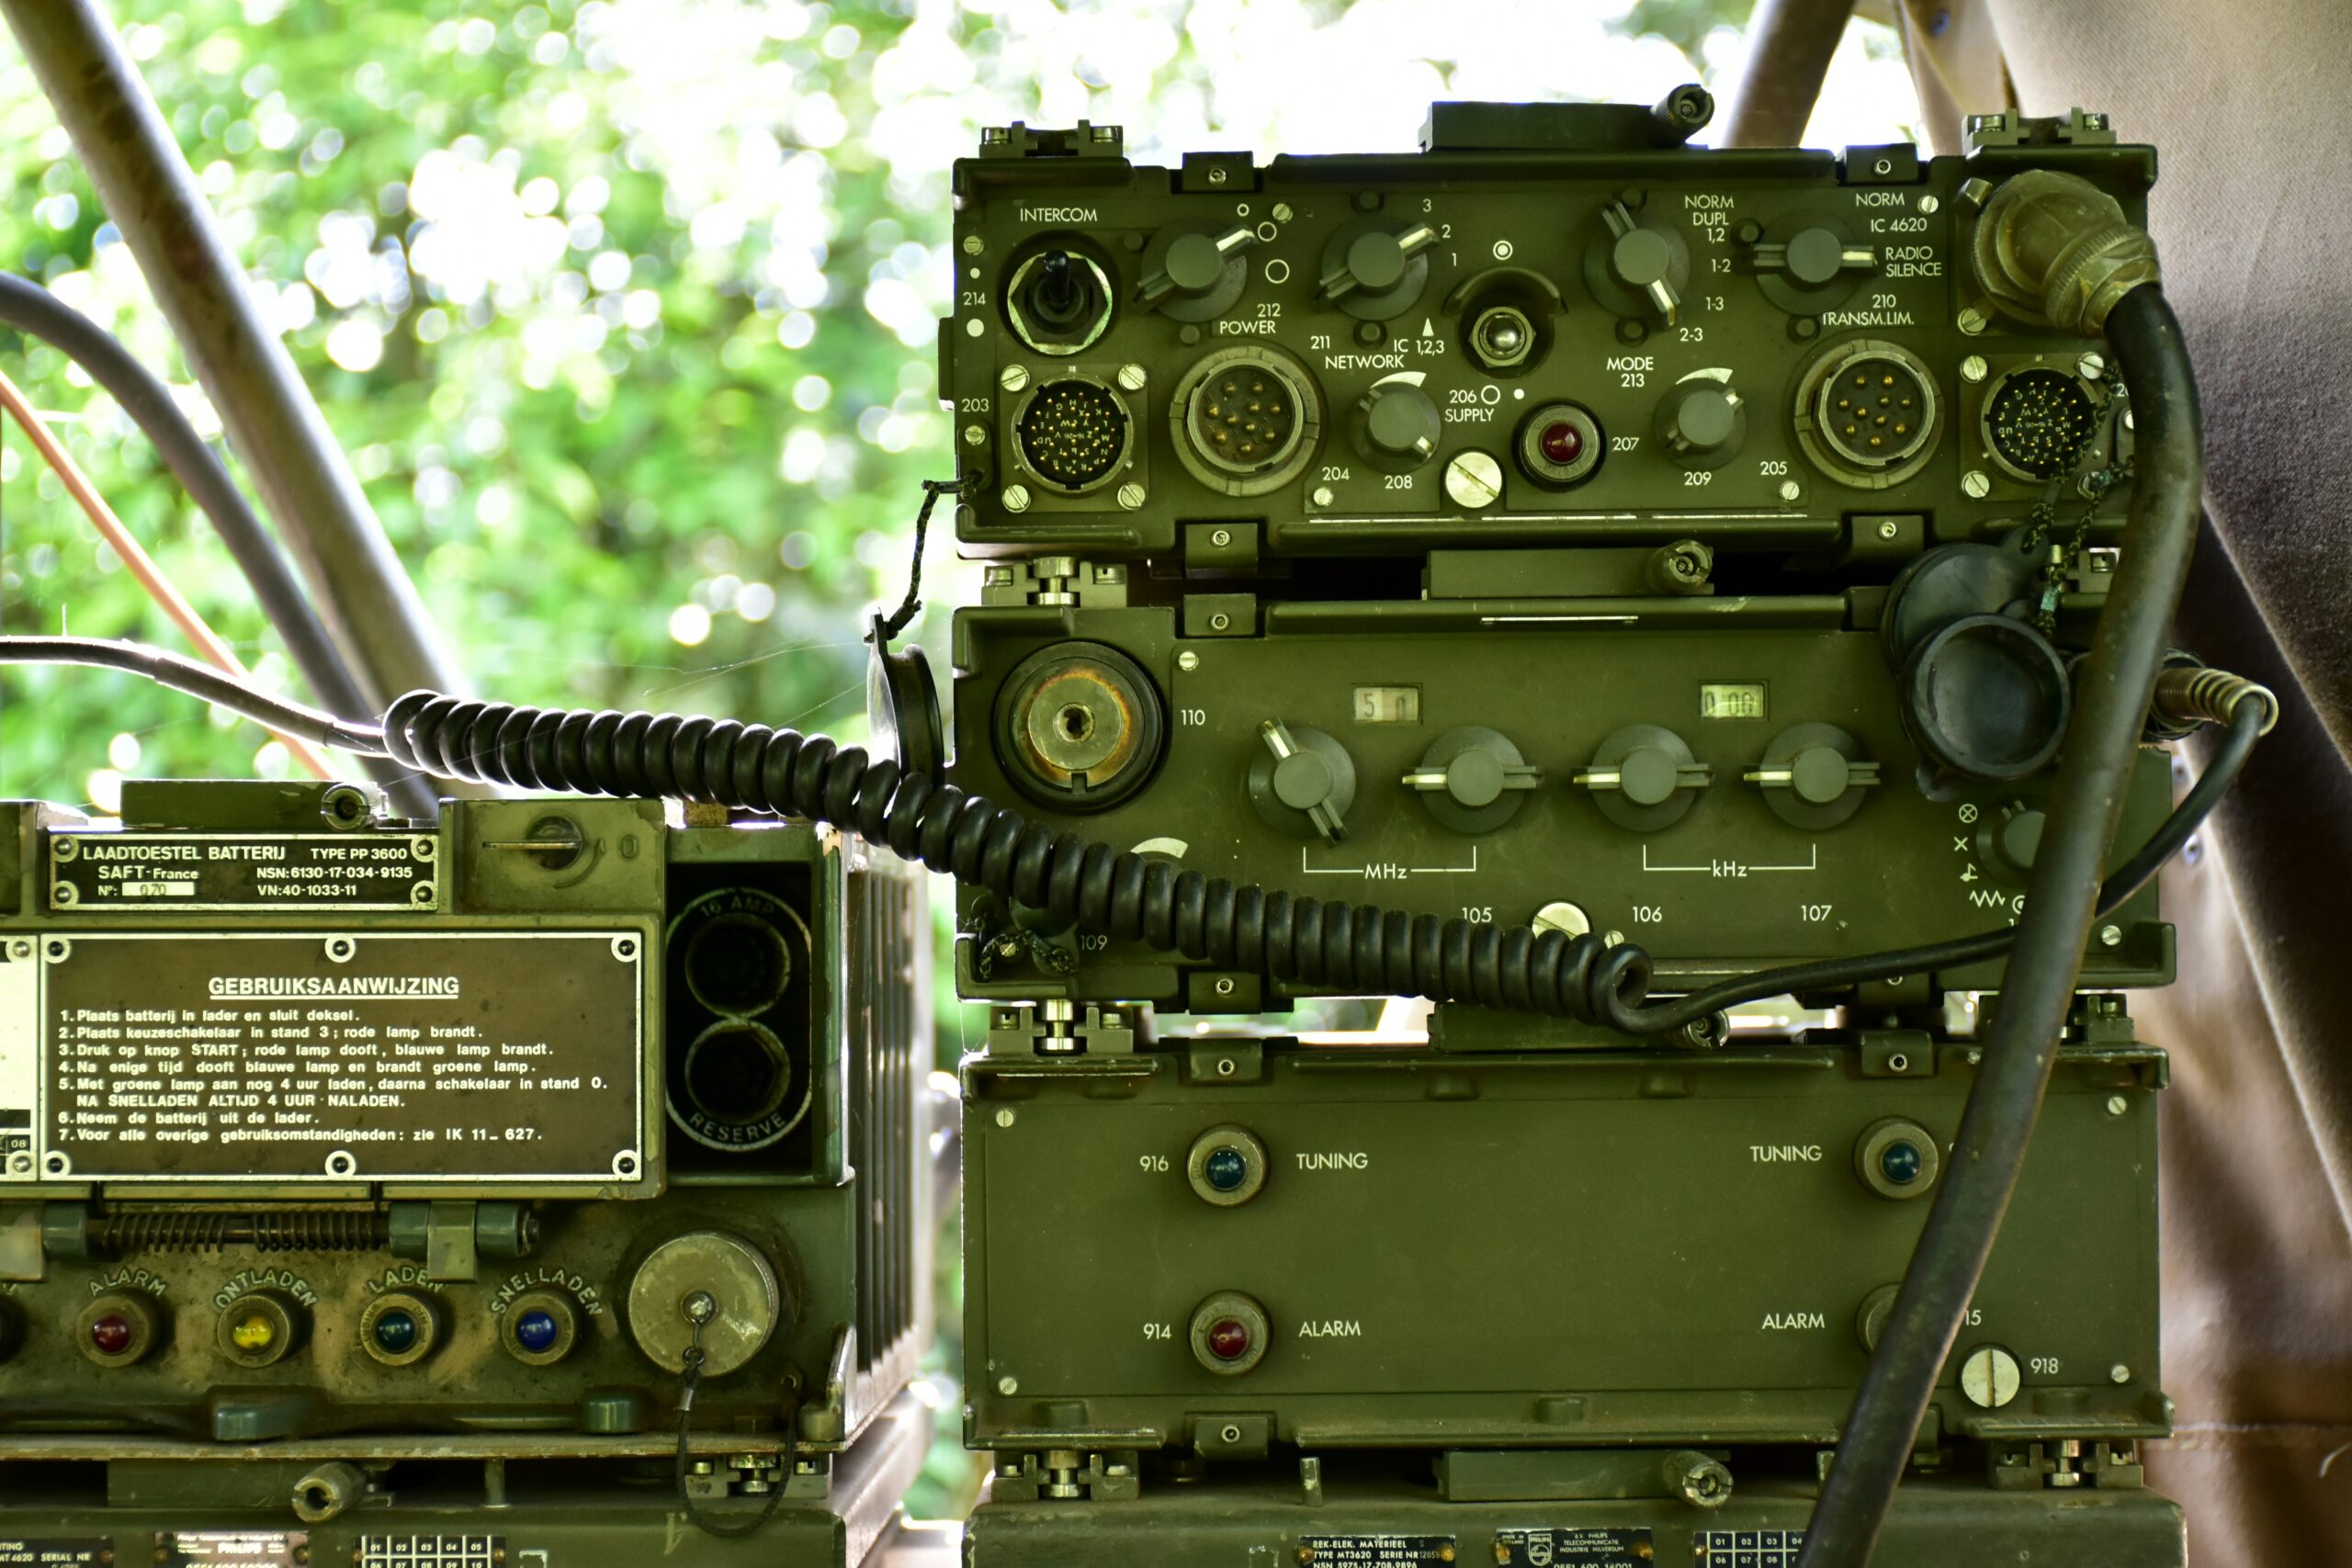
x,y
38,314
1875,1444
182,673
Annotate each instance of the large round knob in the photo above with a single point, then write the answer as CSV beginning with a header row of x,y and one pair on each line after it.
x,y
1471,779
1302,782
1637,268
2008,843
1701,421
1374,271
1814,775
1643,777
1397,426
1195,272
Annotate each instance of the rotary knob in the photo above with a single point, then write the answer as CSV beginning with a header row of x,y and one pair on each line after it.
x,y
2007,842
1643,777
1805,268
1303,781
1701,421
1194,273
1374,271
1471,779
1397,426
1638,268
1814,775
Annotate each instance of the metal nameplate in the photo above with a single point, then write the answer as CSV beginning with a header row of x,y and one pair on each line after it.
x,y
454,1058
251,1548
1574,1549
169,873
1376,1550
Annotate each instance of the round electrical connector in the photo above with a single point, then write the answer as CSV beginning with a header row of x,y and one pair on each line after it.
x,y
734,1089
1229,1332
1867,413
1079,727
2037,423
1246,420
1897,1158
1059,301
738,963
1226,1166
1559,445
1073,433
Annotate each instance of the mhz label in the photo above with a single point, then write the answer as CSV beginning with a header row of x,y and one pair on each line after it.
x,y
1574,1549
1376,1550
448,1056
169,873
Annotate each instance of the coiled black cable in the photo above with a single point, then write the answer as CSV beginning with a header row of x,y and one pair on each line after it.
x,y
1357,949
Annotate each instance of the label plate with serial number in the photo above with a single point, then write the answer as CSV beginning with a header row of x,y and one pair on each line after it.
x,y
169,873
1574,1549
448,1056
1376,1550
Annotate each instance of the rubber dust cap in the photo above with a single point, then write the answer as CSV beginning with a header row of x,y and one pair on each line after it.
x,y
1987,697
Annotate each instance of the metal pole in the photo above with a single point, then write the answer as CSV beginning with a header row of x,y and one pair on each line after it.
x,y
1790,43
364,595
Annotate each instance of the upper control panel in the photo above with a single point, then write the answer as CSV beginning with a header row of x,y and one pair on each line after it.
x,y
1557,324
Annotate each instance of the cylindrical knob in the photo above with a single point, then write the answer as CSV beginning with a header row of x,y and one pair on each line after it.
x,y
1397,424
1643,777
2008,843
1814,775
1195,273
1471,779
1303,783
1374,271
1637,269
1701,421
1814,257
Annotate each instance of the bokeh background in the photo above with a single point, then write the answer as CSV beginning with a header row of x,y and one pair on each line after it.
x,y
625,310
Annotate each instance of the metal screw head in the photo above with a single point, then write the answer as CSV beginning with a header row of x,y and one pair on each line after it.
x,y
1975,484
1280,212
1971,321
1989,1377
1225,986
1005,1118
1008,1386
1016,497
1188,662
1012,377
1220,622
1131,495
1324,495
1613,939
1473,479
2091,367
2110,936
974,436
1888,529
2117,1105
2119,1373
1563,917
1791,490
1927,205
1132,378
1973,367
974,245
1221,538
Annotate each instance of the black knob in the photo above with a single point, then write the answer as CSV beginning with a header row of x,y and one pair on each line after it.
x,y
1399,426
1471,779
1814,775
1374,271
2008,843
1637,268
1303,781
1701,421
1194,273
1806,267
1643,777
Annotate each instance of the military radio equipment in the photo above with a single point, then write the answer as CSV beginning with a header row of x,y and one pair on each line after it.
x,y
1562,526
358,1174
1626,567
